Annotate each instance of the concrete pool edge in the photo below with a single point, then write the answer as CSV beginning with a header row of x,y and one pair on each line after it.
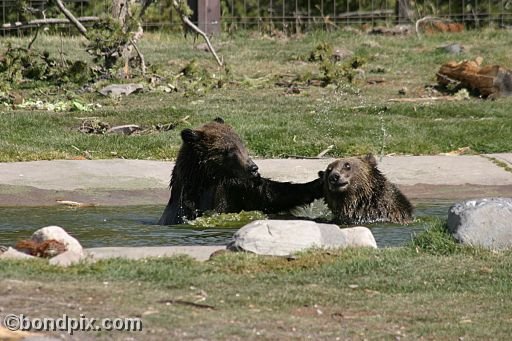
x,y
198,252
141,182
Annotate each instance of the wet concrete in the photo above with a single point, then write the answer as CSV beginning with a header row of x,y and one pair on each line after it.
x,y
199,252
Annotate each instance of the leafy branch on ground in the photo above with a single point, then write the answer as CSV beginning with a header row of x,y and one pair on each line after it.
x,y
19,65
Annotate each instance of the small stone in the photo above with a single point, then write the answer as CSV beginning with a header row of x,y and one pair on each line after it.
x,y
126,129
120,89
15,254
340,54
453,48
403,91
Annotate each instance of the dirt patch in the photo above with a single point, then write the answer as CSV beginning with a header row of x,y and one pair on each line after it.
x,y
36,299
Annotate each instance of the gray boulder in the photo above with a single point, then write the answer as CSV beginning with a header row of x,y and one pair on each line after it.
x,y
483,222
285,237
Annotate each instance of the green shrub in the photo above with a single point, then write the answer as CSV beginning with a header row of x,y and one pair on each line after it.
x,y
436,240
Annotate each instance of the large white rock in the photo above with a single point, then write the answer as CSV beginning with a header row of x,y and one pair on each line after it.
x,y
66,259
483,222
58,233
285,237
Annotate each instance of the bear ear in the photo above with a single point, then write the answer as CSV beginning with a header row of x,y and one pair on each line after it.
x,y
190,136
371,160
321,174
219,120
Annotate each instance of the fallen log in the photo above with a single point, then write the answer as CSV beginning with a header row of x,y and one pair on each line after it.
x,y
424,99
48,21
488,81
431,25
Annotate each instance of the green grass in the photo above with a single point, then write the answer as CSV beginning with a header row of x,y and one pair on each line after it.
x,y
437,292
272,123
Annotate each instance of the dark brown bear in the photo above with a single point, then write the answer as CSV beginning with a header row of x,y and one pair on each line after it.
x,y
214,172
357,192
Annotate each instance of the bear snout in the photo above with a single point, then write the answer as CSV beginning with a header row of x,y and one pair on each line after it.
x,y
337,182
333,178
253,170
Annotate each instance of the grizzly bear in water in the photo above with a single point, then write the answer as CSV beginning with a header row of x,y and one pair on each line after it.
x,y
357,192
214,172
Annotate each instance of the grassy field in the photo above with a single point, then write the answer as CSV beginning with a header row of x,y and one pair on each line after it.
x,y
433,289
274,121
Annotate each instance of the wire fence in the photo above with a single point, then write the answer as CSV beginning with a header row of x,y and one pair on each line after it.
x,y
315,13
282,14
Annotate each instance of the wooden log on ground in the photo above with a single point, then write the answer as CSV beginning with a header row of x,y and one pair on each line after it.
x,y
48,21
492,80
432,25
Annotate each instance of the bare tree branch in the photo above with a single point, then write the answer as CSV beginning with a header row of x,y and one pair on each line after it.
x,y
49,21
34,39
71,18
141,57
419,21
190,24
145,5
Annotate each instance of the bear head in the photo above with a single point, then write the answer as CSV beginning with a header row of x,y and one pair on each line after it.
x,y
220,150
352,174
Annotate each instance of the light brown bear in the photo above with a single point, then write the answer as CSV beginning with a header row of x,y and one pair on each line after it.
x,y
357,192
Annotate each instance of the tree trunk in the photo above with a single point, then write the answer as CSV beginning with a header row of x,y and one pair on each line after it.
x,y
120,11
402,11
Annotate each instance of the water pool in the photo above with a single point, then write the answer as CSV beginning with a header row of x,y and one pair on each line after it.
x,y
136,226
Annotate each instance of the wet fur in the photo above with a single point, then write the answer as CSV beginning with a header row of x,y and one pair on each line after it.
x,y
368,196
214,172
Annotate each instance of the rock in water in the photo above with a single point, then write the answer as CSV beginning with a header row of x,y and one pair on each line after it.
x,y
285,237
59,234
483,222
